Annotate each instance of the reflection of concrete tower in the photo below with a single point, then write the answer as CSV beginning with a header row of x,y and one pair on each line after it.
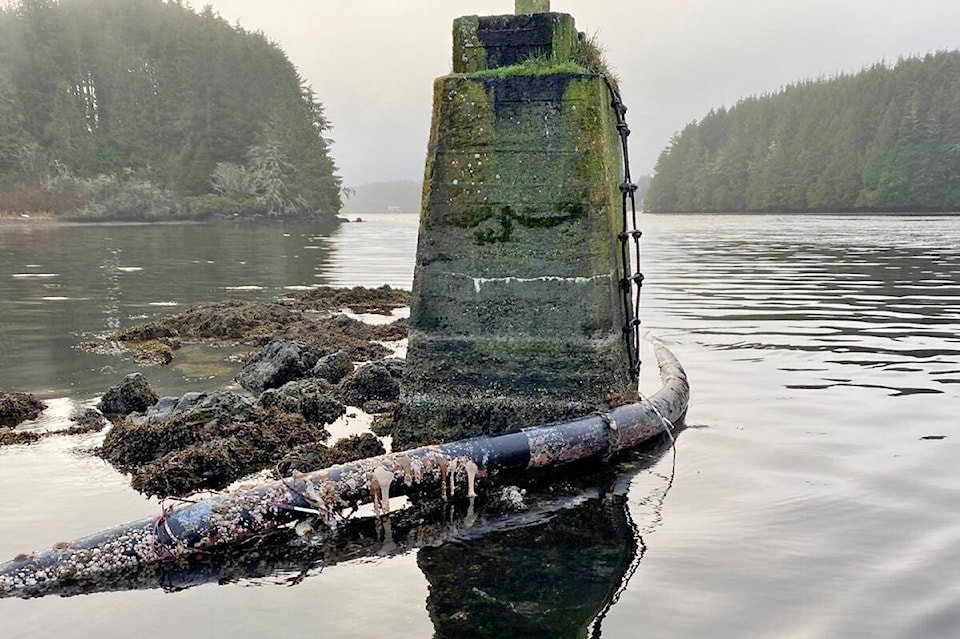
x,y
550,580
516,318
559,575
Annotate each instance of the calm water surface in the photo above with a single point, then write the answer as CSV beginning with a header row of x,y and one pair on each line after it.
x,y
803,501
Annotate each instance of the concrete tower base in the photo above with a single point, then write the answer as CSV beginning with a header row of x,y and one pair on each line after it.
x,y
516,317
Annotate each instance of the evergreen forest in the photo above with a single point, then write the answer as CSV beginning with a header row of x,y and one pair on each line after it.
x,y
147,109
884,139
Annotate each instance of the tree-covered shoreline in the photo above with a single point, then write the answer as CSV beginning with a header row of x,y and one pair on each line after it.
x,y
148,110
886,139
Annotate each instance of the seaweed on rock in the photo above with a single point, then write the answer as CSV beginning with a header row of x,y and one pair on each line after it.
x,y
205,442
310,457
312,317
238,450
16,408
185,454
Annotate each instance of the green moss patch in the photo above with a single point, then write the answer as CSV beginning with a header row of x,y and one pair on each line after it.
x,y
540,65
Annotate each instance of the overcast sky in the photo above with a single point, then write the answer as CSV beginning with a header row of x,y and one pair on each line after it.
x,y
372,62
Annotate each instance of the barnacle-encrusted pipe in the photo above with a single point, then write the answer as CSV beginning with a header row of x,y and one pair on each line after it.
x,y
444,468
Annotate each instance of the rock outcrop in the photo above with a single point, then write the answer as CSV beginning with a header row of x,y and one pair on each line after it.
x,y
312,398
132,395
376,381
333,367
16,408
279,362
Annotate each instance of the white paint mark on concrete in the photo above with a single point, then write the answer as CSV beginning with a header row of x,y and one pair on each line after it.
x,y
479,282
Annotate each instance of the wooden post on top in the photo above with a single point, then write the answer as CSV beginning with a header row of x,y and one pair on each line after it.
x,y
529,7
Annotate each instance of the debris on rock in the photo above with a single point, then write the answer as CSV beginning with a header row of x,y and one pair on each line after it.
x,y
279,362
310,457
233,320
16,408
152,344
303,316
358,299
238,450
174,446
340,332
392,332
132,395
158,352
146,332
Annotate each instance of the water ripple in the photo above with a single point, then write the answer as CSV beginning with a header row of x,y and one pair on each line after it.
x,y
815,285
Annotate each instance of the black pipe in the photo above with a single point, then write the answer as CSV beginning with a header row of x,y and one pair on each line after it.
x,y
448,468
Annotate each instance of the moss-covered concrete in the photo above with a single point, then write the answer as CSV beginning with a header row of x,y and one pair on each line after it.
x,y
491,42
516,318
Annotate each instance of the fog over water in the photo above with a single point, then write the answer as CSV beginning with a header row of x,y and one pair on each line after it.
x,y
373,62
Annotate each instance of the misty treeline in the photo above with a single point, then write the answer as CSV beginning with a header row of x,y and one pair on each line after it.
x,y
887,138
380,197
147,109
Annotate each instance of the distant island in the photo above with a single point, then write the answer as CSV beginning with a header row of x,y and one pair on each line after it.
x,y
886,138
147,110
383,197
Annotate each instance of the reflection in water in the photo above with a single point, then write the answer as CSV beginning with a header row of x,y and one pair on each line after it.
x,y
558,577
879,295
98,278
547,580
113,291
804,478
550,568
544,581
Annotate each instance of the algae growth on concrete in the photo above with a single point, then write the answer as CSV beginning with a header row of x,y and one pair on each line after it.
x,y
516,317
